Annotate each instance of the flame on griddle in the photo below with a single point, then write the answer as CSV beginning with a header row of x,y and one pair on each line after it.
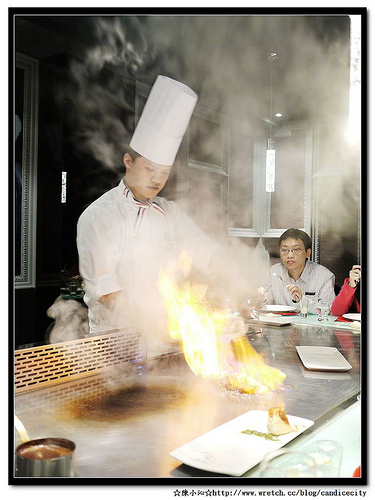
x,y
214,343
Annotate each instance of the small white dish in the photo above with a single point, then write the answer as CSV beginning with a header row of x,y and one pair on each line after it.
x,y
274,320
322,358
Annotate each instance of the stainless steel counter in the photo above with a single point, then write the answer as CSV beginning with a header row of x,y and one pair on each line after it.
x,y
125,430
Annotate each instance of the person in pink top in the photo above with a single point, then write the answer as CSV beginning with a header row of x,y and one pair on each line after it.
x,y
347,299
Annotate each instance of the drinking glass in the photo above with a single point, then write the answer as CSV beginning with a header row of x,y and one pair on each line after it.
x,y
327,455
304,306
323,309
288,463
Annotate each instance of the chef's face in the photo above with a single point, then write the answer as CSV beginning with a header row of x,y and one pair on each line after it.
x,y
293,254
145,178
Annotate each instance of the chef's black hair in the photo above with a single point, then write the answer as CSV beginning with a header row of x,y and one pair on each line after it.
x,y
296,234
133,154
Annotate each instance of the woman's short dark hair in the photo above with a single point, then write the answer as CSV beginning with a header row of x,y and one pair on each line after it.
x,y
296,234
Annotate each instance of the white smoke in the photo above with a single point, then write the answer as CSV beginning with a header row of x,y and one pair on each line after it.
x,y
70,321
224,59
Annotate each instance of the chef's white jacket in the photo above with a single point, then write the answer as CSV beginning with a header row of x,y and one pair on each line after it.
x,y
122,245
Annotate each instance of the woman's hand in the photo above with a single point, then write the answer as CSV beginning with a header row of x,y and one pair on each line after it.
x,y
354,276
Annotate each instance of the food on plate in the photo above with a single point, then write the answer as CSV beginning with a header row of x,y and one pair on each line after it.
x,y
278,422
264,435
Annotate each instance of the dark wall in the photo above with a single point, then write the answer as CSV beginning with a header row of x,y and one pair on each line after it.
x,y
58,151
31,320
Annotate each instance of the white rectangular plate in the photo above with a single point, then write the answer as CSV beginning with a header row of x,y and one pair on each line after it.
x,y
352,316
226,450
274,320
322,358
275,308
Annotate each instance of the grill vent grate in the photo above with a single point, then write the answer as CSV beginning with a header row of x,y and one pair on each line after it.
x,y
56,363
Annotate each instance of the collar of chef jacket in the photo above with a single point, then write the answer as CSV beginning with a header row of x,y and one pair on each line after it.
x,y
126,191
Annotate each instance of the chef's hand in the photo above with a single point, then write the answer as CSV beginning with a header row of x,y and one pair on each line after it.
x,y
110,299
295,292
354,276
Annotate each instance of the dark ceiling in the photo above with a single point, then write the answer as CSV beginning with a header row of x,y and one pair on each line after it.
x,y
223,57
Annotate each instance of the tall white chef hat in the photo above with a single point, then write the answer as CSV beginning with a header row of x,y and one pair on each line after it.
x,y
164,121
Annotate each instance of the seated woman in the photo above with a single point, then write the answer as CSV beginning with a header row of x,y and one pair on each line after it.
x,y
348,298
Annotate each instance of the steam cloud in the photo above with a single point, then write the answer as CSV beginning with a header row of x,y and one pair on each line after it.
x,y
224,59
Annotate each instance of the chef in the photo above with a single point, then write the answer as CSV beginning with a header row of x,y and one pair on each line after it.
x,y
127,235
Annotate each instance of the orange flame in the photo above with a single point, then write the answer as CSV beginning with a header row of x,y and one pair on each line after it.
x,y
214,343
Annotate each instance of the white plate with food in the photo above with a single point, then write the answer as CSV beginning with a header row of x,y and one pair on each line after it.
x,y
274,320
238,445
322,358
275,308
352,316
